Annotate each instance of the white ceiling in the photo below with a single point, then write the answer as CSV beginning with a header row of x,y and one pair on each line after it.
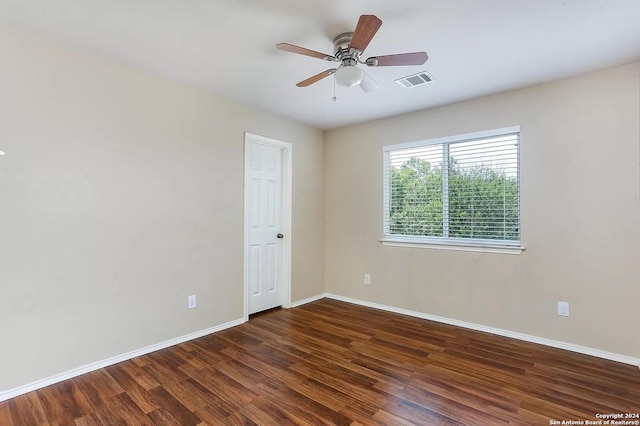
x,y
476,47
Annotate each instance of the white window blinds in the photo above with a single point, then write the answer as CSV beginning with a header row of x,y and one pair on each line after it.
x,y
463,189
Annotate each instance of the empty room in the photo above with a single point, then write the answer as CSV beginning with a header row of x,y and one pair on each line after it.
x,y
319,213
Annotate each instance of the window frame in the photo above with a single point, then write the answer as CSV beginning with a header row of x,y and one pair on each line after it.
x,y
445,242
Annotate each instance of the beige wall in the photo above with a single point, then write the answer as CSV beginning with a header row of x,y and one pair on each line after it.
x,y
120,194
580,215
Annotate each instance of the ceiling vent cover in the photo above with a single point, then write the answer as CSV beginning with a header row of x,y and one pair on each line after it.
x,y
415,80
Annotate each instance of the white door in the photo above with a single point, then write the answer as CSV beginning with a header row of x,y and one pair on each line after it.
x,y
265,233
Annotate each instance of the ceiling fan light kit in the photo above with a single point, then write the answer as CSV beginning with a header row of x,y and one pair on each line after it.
x,y
348,48
348,75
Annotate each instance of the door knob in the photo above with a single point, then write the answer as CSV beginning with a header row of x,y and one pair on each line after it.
x,y
280,236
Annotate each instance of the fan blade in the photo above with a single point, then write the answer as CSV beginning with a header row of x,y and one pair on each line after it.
x,y
368,26
316,78
415,58
368,84
303,51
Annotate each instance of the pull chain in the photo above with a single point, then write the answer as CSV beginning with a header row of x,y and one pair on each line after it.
x,y
334,89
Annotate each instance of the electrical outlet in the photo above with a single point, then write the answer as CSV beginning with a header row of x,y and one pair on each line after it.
x,y
191,301
563,309
367,279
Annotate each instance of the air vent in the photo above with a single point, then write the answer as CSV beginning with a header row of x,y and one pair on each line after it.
x,y
415,80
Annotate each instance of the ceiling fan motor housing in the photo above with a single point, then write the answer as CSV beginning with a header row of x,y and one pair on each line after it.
x,y
341,49
348,74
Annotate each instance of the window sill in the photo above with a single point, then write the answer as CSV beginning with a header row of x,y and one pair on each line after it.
x,y
499,249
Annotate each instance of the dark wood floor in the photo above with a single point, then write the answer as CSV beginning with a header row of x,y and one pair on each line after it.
x,y
330,362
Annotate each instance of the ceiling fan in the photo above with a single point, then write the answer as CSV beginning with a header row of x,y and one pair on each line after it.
x,y
348,48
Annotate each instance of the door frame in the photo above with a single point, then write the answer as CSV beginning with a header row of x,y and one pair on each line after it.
x,y
285,267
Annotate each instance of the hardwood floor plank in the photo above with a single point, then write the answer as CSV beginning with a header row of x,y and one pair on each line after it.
x,y
384,366
332,363
363,392
451,405
261,330
88,420
299,354
8,412
138,394
383,380
239,337
392,355
470,397
313,411
127,411
141,361
136,372
90,397
490,374
26,409
249,377
162,417
191,358
164,374
214,414
274,373
223,387
178,411
190,393
264,412
59,406
331,398
237,419
419,415
389,419
103,382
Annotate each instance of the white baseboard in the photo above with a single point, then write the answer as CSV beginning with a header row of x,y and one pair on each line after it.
x,y
520,336
308,300
21,390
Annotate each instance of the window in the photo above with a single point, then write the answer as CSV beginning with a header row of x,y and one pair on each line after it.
x,y
462,190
